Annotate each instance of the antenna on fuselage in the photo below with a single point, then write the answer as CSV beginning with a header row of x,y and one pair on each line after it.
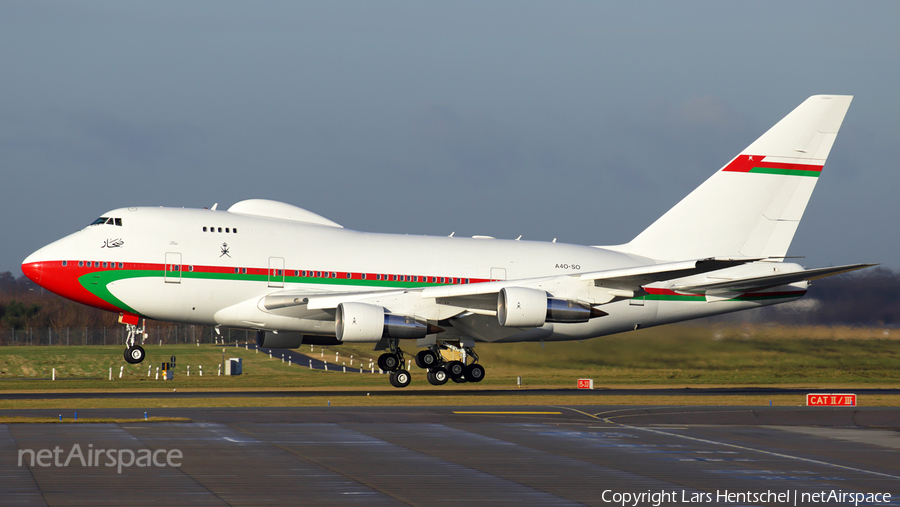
x,y
214,206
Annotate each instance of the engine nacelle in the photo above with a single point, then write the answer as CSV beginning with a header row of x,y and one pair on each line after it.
x,y
361,322
521,307
270,340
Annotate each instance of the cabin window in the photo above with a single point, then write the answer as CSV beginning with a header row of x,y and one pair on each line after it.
x,y
227,230
362,276
104,264
191,268
64,263
296,273
101,220
467,280
96,264
442,279
204,228
121,265
80,264
119,222
318,274
333,274
349,276
378,277
220,229
234,230
243,271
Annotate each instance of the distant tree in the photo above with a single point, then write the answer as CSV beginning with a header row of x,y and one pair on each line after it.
x,y
18,315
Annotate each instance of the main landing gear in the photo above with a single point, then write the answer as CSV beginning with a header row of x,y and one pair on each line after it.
x,y
134,353
439,370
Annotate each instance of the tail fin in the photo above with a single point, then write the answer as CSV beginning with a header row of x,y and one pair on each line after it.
x,y
752,206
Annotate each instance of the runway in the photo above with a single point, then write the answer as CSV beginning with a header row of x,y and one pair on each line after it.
x,y
521,456
475,392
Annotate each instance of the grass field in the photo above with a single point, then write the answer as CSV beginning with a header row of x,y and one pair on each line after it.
x,y
670,356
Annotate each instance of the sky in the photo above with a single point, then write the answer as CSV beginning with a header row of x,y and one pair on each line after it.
x,y
581,121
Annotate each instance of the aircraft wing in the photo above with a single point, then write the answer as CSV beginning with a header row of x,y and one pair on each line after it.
x,y
322,300
622,282
766,282
635,278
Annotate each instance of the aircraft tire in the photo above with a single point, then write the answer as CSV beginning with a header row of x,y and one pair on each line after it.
x,y
474,373
135,355
459,380
456,369
400,378
426,359
389,362
438,376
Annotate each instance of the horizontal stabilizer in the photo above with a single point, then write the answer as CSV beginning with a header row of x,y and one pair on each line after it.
x,y
765,282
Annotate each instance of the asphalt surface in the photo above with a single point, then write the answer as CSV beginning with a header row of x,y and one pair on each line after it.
x,y
520,456
473,391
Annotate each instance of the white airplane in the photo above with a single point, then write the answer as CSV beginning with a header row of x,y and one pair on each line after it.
x,y
296,278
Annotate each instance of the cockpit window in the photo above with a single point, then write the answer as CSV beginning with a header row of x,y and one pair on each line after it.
x,y
108,221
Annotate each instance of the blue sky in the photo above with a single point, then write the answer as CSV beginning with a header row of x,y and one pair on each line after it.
x,y
582,121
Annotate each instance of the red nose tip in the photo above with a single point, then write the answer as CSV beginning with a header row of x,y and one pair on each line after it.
x,y
33,267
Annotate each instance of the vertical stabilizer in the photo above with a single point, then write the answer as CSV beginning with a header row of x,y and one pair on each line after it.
x,y
752,206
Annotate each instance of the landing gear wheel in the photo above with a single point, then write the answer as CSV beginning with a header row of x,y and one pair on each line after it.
x,y
474,373
400,378
134,355
456,369
426,359
459,380
438,376
389,362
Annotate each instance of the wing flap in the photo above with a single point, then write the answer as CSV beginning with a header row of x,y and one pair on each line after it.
x,y
766,282
637,277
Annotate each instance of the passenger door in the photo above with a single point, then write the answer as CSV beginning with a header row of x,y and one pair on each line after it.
x,y
172,272
276,272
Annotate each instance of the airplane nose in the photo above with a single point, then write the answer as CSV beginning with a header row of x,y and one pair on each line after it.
x,y
33,266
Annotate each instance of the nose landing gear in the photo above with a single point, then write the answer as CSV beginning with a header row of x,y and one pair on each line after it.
x,y
134,353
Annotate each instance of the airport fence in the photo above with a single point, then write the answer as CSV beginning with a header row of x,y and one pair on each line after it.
x,y
156,335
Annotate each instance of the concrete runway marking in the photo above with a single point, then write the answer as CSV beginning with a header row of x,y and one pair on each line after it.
x,y
505,413
735,446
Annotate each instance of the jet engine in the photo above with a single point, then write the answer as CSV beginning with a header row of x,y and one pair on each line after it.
x,y
524,307
361,322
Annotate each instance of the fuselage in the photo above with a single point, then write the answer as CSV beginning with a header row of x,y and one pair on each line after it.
x,y
210,267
